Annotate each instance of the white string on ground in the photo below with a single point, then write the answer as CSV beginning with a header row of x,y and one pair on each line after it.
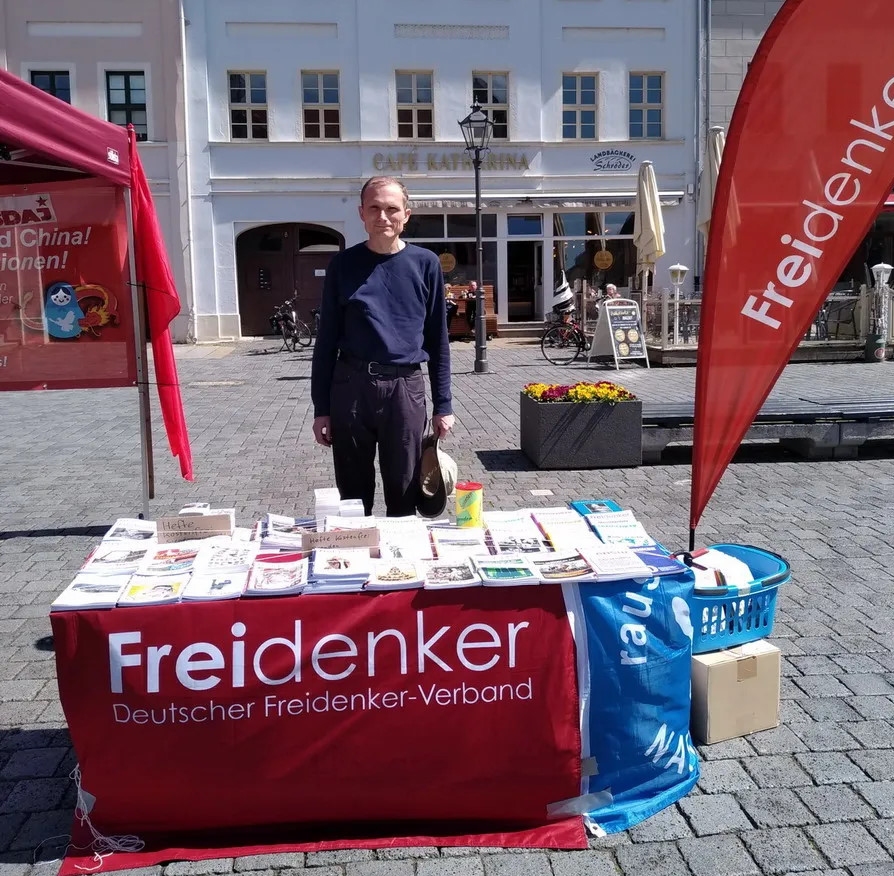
x,y
102,846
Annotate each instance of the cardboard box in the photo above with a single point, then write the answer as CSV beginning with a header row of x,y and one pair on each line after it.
x,y
735,692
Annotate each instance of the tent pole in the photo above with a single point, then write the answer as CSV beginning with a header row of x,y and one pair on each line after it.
x,y
137,297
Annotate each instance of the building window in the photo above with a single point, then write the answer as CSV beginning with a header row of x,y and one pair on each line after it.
x,y
55,82
248,106
579,106
322,114
491,92
415,107
126,96
646,106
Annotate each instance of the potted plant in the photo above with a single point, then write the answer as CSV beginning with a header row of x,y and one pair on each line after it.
x,y
583,425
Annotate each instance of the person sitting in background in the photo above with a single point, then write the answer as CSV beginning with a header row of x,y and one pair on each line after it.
x,y
611,291
452,306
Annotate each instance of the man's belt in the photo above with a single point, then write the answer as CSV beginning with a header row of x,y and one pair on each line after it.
x,y
377,369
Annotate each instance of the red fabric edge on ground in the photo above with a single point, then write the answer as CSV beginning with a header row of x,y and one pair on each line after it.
x,y
567,834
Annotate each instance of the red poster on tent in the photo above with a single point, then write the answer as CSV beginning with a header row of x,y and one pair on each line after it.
x,y
809,160
66,318
413,707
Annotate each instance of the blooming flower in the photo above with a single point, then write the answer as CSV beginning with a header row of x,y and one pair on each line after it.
x,y
603,392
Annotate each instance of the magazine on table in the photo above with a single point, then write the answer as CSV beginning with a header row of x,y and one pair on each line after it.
x,y
459,541
215,585
404,538
514,532
88,591
450,573
277,575
131,529
505,570
390,574
153,589
224,554
594,506
563,527
280,531
341,564
659,561
117,557
562,566
612,562
170,559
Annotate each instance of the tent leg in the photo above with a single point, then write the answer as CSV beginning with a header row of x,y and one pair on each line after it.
x,y
137,298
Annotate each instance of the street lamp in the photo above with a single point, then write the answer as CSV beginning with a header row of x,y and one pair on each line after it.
x,y
678,274
877,339
477,128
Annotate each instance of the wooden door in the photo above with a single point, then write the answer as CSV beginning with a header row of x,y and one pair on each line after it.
x,y
310,274
265,272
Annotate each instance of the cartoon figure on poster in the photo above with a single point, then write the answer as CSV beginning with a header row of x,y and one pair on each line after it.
x,y
62,311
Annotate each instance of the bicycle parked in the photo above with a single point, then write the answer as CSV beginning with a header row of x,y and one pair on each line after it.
x,y
564,339
295,332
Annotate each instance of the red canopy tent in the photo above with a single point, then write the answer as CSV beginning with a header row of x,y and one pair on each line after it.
x,y
43,140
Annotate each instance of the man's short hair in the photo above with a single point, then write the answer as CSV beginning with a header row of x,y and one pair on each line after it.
x,y
377,182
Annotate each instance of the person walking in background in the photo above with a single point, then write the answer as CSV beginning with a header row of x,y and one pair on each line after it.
x,y
383,314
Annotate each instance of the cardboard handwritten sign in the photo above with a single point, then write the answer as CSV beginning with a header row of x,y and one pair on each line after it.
x,y
185,527
342,538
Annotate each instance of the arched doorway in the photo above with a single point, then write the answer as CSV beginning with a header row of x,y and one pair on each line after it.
x,y
275,262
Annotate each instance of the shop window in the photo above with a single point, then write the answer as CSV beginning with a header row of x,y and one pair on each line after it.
x,y
529,225
491,92
426,225
646,97
322,111
248,106
579,106
463,225
577,224
415,106
618,223
126,98
55,82
591,263
459,261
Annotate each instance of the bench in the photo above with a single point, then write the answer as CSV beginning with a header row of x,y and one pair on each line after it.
x,y
814,428
458,327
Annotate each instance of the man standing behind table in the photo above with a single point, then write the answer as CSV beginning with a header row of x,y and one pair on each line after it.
x,y
383,314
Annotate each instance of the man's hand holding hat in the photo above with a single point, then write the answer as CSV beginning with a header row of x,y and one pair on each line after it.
x,y
441,424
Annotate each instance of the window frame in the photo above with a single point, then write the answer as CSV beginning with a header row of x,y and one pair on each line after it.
x,y
248,106
321,107
128,107
490,106
579,107
53,73
415,105
645,106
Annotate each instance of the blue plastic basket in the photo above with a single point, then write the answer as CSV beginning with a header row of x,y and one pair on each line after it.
x,y
730,616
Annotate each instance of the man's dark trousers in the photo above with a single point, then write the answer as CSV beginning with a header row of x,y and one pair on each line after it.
x,y
386,410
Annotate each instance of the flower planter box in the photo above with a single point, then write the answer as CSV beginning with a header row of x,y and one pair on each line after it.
x,y
582,435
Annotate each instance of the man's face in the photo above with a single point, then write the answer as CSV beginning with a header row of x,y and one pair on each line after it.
x,y
473,286
383,212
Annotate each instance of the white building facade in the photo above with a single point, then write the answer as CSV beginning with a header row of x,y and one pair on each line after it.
x,y
291,106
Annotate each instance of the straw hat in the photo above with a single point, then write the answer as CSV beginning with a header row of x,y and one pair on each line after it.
x,y
437,478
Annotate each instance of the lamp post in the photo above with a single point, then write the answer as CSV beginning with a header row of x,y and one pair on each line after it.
x,y
877,339
477,128
678,274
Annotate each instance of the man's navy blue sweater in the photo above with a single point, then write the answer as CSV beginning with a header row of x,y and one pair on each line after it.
x,y
383,308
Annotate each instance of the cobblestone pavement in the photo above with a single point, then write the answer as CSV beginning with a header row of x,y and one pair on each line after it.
x,y
816,794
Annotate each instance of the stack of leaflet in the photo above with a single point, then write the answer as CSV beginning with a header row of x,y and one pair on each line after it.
x,y
131,529
284,533
404,538
327,502
450,573
564,527
391,574
339,570
339,523
506,570
514,532
619,527
162,575
277,574
351,508
220,569
89,590
457,541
